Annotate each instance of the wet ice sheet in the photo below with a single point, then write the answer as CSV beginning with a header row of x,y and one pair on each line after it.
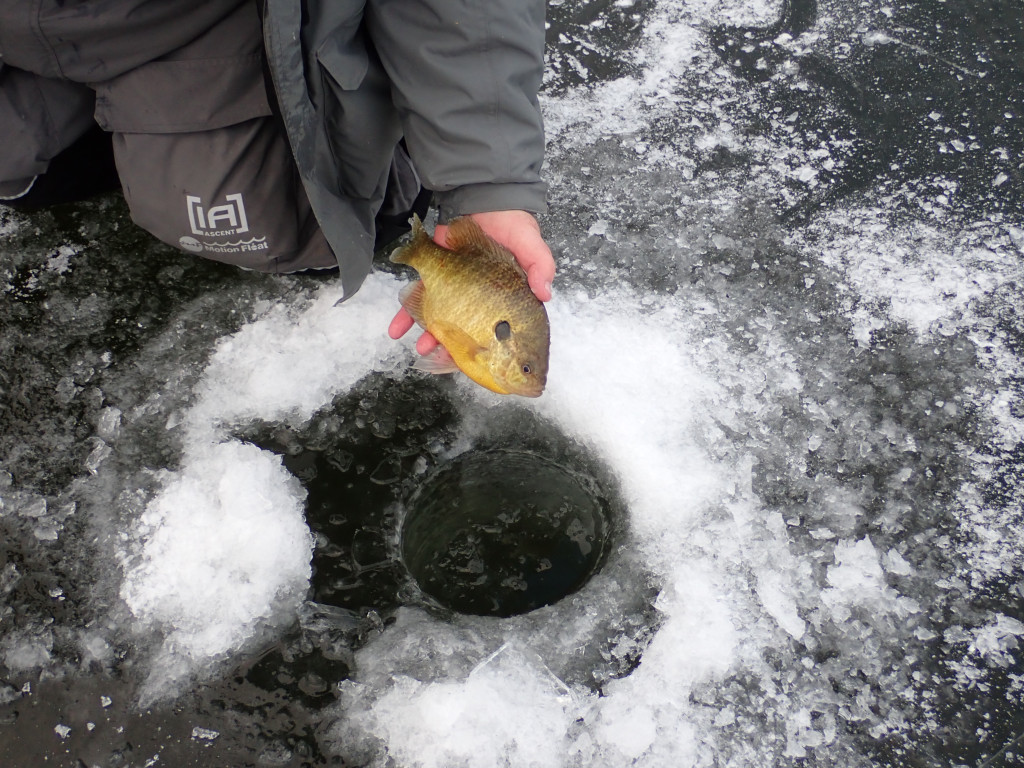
x,y
822,584
739,577
844,395
815,430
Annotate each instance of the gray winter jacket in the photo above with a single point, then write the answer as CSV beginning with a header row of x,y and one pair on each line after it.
x,y
457,78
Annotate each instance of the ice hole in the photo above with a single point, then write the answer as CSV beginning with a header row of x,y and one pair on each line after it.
x,y
501,532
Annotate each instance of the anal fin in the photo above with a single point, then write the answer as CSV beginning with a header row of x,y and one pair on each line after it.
x,y
436,361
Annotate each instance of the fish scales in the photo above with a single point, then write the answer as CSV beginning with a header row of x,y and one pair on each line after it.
x,y
474,298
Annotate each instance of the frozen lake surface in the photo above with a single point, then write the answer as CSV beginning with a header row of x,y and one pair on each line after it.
x,y
786,348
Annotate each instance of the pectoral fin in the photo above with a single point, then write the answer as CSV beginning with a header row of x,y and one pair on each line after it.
x,y
471,358
460,345
457,351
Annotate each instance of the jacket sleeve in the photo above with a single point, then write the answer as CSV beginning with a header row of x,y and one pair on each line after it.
x,y
465,76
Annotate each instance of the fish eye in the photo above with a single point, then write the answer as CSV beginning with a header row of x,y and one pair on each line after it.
x,y
527,369
503,331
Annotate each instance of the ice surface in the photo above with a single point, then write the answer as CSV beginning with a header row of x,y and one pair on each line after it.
x,y
917,273
204,734
793,616
295,359
856,579
598,347
508,710
777,598
815,430
25,651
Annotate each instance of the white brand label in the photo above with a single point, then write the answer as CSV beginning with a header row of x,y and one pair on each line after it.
x,y
220,220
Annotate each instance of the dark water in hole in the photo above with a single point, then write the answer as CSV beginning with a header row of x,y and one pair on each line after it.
x,y
500,533
356,459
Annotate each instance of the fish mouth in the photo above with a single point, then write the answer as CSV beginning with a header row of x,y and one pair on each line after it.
x,y
531,391
527,388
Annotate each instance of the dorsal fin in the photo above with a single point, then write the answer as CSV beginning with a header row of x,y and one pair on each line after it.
x,y
464,232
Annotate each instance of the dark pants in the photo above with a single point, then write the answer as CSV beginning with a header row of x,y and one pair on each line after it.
x,y
201,158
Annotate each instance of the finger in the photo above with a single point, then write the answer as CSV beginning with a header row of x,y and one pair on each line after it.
x,y
400,324
426,343
535,257
539,279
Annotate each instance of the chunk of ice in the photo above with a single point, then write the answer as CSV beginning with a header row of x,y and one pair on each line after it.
x,y
223,549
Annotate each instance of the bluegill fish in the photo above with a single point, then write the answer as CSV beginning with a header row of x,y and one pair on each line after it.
x,y
473,297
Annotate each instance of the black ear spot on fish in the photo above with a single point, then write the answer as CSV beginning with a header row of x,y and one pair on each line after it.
x,y
503,331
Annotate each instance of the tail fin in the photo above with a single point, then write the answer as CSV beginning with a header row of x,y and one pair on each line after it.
x,y
419,235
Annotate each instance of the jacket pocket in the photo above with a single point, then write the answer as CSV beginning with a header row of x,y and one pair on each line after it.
x,y
183,96
342,54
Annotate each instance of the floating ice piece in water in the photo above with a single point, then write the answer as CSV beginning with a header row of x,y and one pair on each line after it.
x,y
23,652
320,617
34,507
97,456
8,693
875,37
108,426
204,734
895,563
806,173
801,734
47,530
60,262
997,640
95,648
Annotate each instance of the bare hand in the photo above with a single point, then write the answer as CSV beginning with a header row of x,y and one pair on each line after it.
x,y
520,233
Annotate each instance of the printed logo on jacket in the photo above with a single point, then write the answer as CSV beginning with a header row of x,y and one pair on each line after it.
x,y
225,220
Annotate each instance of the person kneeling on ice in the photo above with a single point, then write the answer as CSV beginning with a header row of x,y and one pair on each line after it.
x,y
282,136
